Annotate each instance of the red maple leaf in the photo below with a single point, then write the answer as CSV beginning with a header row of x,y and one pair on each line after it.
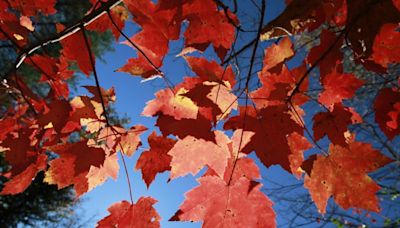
x,y
276,87
173,104
337,87
361,32
74,164
327,54
386,48
11,29
156,160
298,144
107,96
125,214
129,141
25,160
343,175
184,127
203,15
119,14
277,53
98,175
190,155
151,15
56,114
215,101
154,47
386,109
211,71
333,124
180,108
120,139
54,71
29,8
271,126
74,49
238,165
222,205
83,108
159,26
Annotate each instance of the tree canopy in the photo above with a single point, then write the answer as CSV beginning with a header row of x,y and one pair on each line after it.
x,y
314,90
42,204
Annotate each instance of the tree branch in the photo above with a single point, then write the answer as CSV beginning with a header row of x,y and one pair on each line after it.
x,y
104,107
246,87
65,33
322,57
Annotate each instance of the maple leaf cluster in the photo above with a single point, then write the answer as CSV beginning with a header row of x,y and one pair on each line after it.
x,y
202,121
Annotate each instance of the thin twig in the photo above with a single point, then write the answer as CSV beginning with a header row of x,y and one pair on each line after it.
x,y
157,69
104,108
240,50
316,63
15,73
246,85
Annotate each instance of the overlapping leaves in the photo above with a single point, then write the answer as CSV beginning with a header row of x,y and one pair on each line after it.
x,y
270,122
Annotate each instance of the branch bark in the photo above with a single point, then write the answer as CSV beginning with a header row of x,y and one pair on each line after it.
x,y
25,52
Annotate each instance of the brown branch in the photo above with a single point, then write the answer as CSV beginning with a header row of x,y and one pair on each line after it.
x,y
23,94
96,78
240,50
226,12
235,6
343,32
316,63
104,107
157,69
253,55
225,68
134,45
86,20
15,73
246,87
